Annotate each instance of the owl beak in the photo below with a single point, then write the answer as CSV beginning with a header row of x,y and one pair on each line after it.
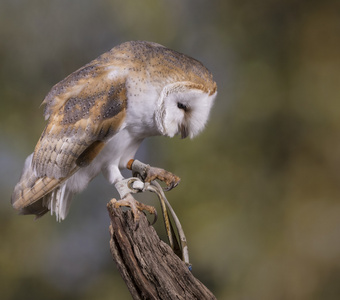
x,y
184,131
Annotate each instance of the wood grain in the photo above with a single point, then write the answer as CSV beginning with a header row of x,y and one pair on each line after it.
x,y
149,267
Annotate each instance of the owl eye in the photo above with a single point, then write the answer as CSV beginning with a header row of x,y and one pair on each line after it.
x,y
182,106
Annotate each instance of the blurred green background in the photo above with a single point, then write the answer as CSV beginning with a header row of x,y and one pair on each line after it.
x,y
259,197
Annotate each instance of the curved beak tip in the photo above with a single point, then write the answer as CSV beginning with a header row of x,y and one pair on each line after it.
x,y
184,132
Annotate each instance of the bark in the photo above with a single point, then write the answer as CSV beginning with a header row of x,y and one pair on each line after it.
x,y
149,267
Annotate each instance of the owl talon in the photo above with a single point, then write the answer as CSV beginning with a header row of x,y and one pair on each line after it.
x,y
171,186
136,207
149,174
170,179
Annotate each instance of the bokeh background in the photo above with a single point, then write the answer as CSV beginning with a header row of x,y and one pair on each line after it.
x,y
259,197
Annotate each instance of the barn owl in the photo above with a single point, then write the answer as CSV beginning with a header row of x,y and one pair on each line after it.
x,y
99,115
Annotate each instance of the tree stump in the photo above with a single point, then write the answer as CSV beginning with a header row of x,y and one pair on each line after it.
x,y
149,267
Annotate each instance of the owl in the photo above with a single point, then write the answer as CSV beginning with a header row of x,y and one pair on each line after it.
x,y
98,116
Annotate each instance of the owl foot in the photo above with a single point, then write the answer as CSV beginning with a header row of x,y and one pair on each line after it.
x,y
136,208
125,189
149,174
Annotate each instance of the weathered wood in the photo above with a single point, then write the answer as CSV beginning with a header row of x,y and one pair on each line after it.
x,y
149,267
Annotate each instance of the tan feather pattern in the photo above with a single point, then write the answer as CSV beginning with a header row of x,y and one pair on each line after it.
x,y
79,124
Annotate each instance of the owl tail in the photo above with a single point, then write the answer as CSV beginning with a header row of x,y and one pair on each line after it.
x,y
29,196
58,201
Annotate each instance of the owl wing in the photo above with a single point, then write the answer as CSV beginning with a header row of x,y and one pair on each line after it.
x,y
83,111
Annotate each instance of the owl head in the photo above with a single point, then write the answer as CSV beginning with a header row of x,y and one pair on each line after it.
x,y
185,90
184,109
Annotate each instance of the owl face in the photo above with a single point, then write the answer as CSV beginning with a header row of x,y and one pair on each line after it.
x,y
183,110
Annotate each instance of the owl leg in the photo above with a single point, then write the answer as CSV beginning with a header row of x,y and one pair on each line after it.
x,y
149,174
125,188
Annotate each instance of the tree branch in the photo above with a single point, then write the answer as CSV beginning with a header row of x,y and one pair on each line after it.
x,y
149,267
